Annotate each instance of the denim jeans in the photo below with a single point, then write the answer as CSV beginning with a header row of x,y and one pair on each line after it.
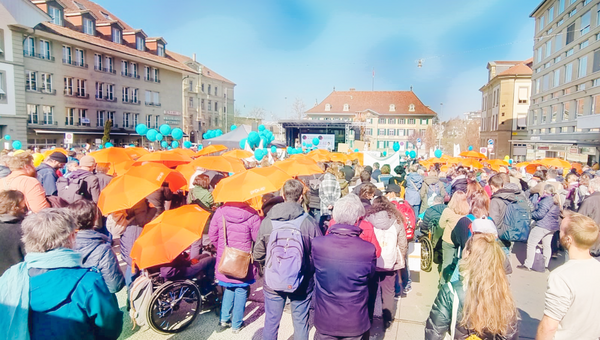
x,y
234,305
405,273
416,209
274,304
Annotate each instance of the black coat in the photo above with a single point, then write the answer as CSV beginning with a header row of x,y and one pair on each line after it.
x,y
459,185
12,250
344,266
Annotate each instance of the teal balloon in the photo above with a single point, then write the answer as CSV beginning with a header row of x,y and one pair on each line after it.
x,y
273,149
384,153
159,137
289,150
141,129
243,143
470,147
233,127
396,146
7,137
315,141
151,135
253,138
176,133
265,141
187,144
258,154
261,128
108,145
510,161
200,147
17,145
169,148
413,154
355,150
164,144
165,129
175,144
100,146
406,153
438,153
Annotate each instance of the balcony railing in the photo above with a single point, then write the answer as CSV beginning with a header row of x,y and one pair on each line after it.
x,y
83,96
50,92
31,54
74,63
149,103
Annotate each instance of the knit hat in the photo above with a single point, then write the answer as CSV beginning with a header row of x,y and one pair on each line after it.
x,y
393,188
59,157
87,161
484,225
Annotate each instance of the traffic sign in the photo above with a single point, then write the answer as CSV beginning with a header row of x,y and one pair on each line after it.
x,y
68,138
418,140
490,141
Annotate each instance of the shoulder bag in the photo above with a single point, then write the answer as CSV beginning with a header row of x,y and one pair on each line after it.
x,y
234,263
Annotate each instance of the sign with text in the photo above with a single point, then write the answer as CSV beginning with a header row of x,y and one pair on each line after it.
x,y
326,142
68,138
172,113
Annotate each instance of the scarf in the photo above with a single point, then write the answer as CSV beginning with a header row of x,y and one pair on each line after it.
x,y
14,289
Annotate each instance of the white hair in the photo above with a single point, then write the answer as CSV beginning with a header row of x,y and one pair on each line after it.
x,y
595,184
348,209
48,229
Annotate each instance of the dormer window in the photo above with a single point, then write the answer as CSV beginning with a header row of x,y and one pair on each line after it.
x,y
160,50
327,107
411,108
140,44
116,35
88,26
56,14
392,107
346,107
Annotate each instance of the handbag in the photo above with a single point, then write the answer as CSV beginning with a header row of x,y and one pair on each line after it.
x,y
234,262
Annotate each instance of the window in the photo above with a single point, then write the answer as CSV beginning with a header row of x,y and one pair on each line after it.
x,y
550,14
381,132
569,52
156,98
56,15
191,102
70,117
140,44
554,110
116,35
596,105
81,87
411,132
45,49
582,66
584,44
401,132
566,108
48,112
146,73
209,88
134,95
568,72
136,119
544,115
125,94
580,87
202,104
156,78
561,6
29,47
392,121
110,65
148,97
555,80
31,81
46,79
579,104
134,70
160,50
32,111
392,107
98,62
346,107
88,26
68,86
596,82
596,62
585,23
327,107
570,33
149,120
573,12
411,108
156,121
124,68
126,118
541,23
537,85
209,105
216,107
216,91
2,93
381,121
558,44
80,58
82,115
110,92
523,95
110,115
411,121
424,121
202,87
546,82
99,90
391,132
548,48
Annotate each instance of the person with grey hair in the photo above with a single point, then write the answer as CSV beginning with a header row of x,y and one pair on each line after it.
x,y
288,215
49,295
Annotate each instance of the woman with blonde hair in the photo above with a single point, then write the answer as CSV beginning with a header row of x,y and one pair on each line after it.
x,y
458,207
480,304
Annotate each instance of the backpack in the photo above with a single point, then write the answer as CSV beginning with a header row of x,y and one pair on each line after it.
x,y
285,255
72,190
140,295
516,221
388,241
409,218
433,191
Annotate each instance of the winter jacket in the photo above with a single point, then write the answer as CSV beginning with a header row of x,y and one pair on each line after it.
x,y
103,180
413,185
313,183
12,250
458,184
158,198
431,219
367,234
344,266
72,303
242,224
546,213
47,177
590,207
344,186
138,216
440,317
348,172
381,220
92,186
329,193
34,193
462,232
309,229
499,202
375,175
202,195
448,221
4,171
96,251
427,183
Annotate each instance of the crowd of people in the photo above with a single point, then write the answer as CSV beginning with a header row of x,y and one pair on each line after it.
x,y
330,243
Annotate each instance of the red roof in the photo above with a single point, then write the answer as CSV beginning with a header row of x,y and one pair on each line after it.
x,y
377,101
97,10
206,72
519,69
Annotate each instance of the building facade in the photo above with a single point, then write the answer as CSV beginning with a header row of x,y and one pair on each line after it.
x,y
564,116
380,118
505,103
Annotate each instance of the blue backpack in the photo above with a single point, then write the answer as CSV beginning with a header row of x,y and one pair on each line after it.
x,y
285,254
516,221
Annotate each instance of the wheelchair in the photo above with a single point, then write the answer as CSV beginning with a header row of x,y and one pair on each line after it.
x,y
427,248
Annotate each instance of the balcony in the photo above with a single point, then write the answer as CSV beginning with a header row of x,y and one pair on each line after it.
x,y
50,92
83,96
149,103
74,63
31,54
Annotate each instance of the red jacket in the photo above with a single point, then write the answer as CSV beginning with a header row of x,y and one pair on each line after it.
x,y
367,234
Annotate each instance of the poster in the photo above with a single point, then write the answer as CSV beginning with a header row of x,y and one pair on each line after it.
x,y
326,142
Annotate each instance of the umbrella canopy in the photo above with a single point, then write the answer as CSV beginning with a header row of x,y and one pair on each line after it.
x,y
168,158
210,149
471,162
339,157
555,162
532,167
473,154
164,238
111,156
249,184
237,153
51,151
577,167
187,170
357,155
135,152
185,152
497,162
522,164
299,167
120,168
319,157
134,185
220,163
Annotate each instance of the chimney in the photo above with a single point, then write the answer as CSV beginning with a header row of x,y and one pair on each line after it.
x,y
352,89
194,57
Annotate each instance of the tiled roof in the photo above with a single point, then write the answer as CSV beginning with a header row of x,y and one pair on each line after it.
x,y
95,9
377,101
519,69
206,72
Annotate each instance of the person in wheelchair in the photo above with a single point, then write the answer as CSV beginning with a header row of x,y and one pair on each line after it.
x,y
200,268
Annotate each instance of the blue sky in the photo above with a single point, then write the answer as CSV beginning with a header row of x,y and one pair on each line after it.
x,y
278,49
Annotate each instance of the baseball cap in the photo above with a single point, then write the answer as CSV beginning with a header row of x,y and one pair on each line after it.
x,y
87,161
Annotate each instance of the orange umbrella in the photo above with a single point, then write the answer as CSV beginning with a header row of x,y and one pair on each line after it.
x,y
220,163
51,151
471,162
522,164
249,184
473,154
185,152
299,167
111,156
136,152
357,155
125,191
298,156
496,162
532,168
237,153
211,149
339,157
445,167
577,166
172,232
168,158
319,157
555,162
436,160
121,168
187,170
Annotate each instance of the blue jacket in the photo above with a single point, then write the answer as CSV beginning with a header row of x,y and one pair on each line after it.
x,y
344,265
47,177
72,303
546,213
96,251
413,192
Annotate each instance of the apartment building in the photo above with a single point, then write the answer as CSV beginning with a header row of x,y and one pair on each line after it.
x,y
564,116
382,117
505,103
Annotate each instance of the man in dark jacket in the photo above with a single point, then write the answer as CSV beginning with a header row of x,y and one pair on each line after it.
x,y
300,299
85,171
431,186
46,172
12,212
590,207
348,171
344,268
459,183
376,172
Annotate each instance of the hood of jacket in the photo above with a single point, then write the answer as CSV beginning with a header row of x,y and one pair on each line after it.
x,y
55,289
86,241
237,213
45,167
329,177
380,220
8,218
286,211
429,180
345,230
415,178
79,173
507,194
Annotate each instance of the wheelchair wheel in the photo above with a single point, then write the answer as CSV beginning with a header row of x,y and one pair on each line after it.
x,y
426,254
174,306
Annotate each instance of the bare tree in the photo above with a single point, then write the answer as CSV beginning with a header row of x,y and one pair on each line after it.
x,y
430,138
472,133
257,113
299,109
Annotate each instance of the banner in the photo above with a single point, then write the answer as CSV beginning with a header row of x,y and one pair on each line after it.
x,y
326,142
